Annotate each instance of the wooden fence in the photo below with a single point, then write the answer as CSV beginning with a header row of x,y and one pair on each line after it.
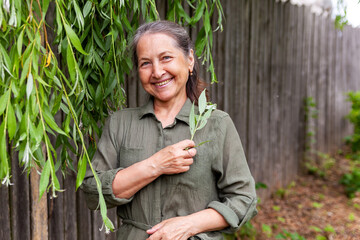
x,y
269,58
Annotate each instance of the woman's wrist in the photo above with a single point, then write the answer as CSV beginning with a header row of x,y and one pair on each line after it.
x,y
206,220
153,169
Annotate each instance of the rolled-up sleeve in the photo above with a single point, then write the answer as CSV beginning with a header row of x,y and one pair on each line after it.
x,y
235,184
105,163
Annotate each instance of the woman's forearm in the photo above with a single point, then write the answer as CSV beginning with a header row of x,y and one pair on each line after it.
x,y
186,226
206,221
130,180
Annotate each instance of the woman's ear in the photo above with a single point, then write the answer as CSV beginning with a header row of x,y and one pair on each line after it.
x,y
191,60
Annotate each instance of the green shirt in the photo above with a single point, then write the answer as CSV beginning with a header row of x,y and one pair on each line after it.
x,y
219,178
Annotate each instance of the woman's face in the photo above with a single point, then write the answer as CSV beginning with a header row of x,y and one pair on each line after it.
x,y
163,67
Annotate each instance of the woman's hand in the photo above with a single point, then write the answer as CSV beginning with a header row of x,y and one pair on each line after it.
x,y
170,160
174,158
181,228
178,228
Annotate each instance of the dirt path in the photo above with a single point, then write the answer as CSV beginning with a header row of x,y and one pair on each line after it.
x,y
312,207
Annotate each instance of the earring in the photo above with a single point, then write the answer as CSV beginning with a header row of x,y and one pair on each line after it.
x,y
191,73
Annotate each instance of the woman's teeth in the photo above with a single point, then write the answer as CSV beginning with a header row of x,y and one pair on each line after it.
x,y
162,83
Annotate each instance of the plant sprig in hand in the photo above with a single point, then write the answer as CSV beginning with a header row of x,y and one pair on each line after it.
x,y
199,121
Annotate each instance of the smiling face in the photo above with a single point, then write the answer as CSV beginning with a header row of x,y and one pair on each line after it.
x,y
163,67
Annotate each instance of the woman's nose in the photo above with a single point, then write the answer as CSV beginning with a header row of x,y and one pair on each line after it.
x,y
158,70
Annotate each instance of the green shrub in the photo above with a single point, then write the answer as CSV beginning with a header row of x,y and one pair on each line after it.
x,y
351,181
247,231
288,235
354,118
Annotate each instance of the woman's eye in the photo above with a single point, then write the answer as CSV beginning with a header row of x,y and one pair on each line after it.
x,y
166,57
142,64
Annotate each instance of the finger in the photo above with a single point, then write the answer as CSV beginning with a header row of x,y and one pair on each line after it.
x,y
191,152
154,228
187,143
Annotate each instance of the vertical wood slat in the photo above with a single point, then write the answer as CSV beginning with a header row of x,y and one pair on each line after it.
x,y
70,223
252,155
55,205
20,202
5,231
38,214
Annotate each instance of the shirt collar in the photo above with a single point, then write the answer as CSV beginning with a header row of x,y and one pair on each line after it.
x,y
183,115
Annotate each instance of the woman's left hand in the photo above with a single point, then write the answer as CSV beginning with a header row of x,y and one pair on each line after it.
x,y
177,228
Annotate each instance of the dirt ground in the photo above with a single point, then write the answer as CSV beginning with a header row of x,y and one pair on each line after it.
x,y
311,207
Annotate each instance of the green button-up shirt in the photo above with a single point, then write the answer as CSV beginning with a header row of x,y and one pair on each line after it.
x,y
219,178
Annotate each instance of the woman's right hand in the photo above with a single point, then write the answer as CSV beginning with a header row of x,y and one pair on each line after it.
x,y
175,158
170,160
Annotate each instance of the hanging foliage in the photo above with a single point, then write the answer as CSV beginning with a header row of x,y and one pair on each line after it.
x,y
79,76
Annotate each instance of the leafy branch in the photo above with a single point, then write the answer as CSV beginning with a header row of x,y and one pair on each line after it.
x,y
198,121
78,76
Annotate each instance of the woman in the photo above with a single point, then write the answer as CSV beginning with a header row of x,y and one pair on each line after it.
x,y
160,189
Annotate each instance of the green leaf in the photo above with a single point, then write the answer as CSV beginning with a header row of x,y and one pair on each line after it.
x,y
202,124
320,237
19,42
198,13
3,156
329,229
45,6
57,103
202,102
11,122
74,39
81,171
50,120
3,101
207,24
5,57
44,179
98,95
103,3
71,63
200,42
58,22
25,70
192,119
87,8
79,15
29,86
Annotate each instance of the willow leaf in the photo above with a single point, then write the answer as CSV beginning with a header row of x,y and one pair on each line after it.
x,y
87,8
74,39
81,171
198,13
3,156
71,63
29,86
3,101
202,102
192,119
50,120
11,122
44,179
20,42
202,124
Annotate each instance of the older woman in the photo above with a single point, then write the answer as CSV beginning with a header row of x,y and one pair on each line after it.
x,y
162,186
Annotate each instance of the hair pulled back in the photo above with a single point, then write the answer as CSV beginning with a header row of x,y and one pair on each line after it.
x,y
194,86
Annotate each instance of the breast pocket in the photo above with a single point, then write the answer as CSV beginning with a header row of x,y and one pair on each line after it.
x,y
128,156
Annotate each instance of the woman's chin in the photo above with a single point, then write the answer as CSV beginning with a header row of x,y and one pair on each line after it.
x,y
169,97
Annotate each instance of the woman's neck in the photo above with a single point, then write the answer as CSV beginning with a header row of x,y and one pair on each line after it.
x,y
166,112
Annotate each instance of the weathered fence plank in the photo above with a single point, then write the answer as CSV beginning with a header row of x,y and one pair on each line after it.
x,y
20,202
5,232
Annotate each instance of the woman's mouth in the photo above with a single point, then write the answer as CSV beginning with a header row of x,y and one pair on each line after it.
x,y
163,83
